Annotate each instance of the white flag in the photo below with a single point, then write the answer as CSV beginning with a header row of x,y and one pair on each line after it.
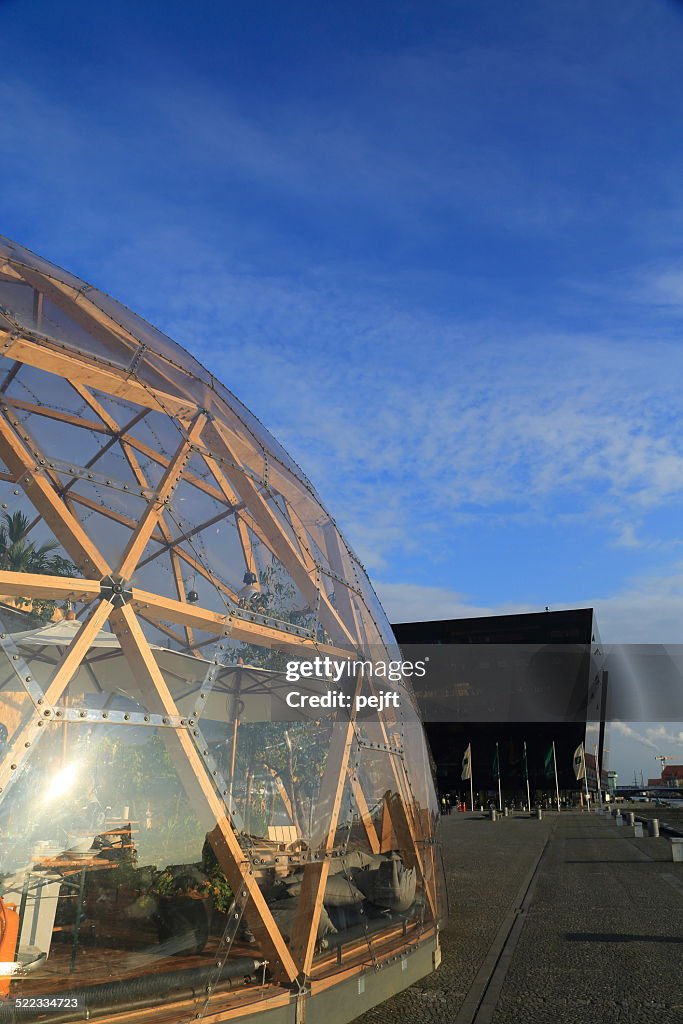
x,y
579,762
467,763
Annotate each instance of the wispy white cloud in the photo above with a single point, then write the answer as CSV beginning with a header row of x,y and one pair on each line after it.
x,y
455,423
638,736
662,286
412,420
628,741
647,610
410,602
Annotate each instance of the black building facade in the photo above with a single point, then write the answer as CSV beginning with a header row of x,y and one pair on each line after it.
x,y
567,644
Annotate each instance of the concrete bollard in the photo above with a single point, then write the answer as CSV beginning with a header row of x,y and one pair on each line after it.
x,y
506,812
539,814
630,818
492,813
619,820
653,828
638,830
677,851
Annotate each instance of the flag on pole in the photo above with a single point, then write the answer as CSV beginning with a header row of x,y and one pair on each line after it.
x,y
495,768
525,764
467,763
548,767
580,762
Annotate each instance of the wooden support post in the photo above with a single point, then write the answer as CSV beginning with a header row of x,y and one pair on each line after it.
x,y
155,507
201,793
364,812
25,741
278,539
51,507
305,930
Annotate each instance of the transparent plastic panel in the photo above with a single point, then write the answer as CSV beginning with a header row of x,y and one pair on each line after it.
x,y
18,298
109,684
279,598
159,372
373,898
19,259
158,573
303,505
109,515
166,350
226,441
346,604
54,444
382,778
377,627
42,392
53,314
417,759
215,546
72,324
199,475
159,437
111,467
16,706
274,767
342,933
105,854
116,411
232,407
27,545
243,533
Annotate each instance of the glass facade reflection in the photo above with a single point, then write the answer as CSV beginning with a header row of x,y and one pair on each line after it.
x,y
172,835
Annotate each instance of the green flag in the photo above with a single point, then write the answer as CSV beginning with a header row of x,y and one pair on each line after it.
x,y
548,764
525,765
495,768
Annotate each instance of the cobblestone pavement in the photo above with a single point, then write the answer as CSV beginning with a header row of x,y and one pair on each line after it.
x,y
485,864
602,935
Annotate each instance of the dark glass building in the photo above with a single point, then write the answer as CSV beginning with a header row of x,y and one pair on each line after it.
x,y
568,645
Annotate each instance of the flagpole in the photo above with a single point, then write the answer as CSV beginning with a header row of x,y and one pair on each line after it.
x,y
557,788
467,774
585,778
597,776
526,775
500,797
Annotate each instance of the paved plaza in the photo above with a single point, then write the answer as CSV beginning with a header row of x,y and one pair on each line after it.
x,y
565,920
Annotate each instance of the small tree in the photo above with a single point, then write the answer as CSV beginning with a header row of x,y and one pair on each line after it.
x,y
19,554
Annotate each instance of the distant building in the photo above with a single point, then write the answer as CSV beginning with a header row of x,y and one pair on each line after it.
x,y
672,777
576,680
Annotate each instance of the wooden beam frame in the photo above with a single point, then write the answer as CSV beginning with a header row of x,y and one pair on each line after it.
x,y
278,540
305,930
156,607
52,508
34,728
203,797
155,507
224,449
364,811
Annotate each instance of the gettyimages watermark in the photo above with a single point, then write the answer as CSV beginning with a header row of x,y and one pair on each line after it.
x,y
556,682
339,672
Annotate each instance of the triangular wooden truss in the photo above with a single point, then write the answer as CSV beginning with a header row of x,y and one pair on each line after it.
x,y
204,433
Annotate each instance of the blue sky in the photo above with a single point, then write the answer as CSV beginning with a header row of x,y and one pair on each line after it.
x,y
436,247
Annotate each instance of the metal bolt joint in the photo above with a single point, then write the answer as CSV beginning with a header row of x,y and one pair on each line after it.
x,y
116,590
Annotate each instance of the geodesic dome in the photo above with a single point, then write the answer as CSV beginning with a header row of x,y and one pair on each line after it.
x,y
171,829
